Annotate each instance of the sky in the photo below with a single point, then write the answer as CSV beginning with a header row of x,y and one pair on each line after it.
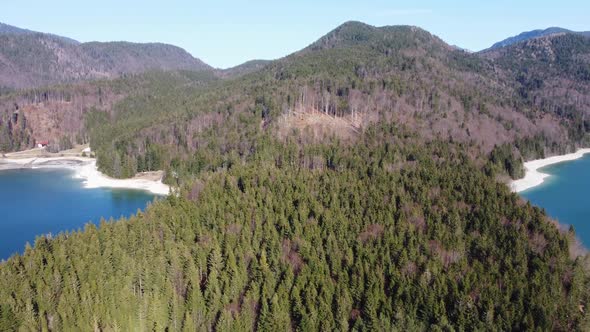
x,y
225,33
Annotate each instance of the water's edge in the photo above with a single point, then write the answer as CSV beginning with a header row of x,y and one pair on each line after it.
x,y
533,177
52,200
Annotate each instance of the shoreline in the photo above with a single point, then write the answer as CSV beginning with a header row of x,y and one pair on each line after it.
x,y
86,170
533,177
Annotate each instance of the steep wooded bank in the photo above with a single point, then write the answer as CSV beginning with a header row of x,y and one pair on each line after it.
x,y
59,113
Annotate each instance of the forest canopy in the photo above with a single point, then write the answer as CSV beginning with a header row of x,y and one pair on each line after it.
x,y
391,234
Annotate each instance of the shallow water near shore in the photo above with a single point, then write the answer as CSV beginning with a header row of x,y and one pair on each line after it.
x,y
41,201
565,195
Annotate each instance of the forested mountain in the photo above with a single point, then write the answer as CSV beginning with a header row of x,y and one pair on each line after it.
x,y
357,72
535,34
352,185
245,68
30,59
552,74
357,75
6,29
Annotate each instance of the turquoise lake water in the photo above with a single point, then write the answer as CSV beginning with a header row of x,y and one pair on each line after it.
x,y
43,201
566,195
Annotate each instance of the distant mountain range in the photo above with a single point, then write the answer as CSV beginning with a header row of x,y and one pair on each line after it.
x,y
535,34
32,59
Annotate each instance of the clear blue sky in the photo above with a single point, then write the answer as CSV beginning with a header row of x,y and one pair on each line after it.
x,y
227,33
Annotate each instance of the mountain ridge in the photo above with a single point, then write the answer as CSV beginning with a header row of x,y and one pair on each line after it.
x,y
29,59
527,35
8,29
397,59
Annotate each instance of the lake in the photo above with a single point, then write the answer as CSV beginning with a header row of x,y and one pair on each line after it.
x,y
565,195
41,201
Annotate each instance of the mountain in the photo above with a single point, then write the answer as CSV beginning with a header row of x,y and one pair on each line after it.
x,y
358,75
6,29
12,30
353,185
552,73
244,68
358,34
354,76
534,34
29,59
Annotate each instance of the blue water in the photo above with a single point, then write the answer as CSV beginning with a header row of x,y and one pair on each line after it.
x,y
43,201
566,195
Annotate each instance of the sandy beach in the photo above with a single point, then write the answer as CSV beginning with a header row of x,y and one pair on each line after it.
x,y
533,177
86,170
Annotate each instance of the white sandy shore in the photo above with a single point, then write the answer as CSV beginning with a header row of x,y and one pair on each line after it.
x,y
533,177
85,169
